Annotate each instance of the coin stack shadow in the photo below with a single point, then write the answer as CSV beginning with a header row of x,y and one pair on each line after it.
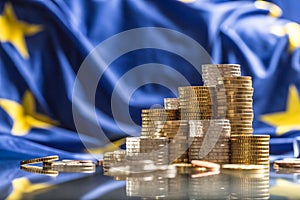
x,y
250,149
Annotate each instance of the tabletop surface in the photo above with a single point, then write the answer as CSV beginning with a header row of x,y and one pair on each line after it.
x,y
162,184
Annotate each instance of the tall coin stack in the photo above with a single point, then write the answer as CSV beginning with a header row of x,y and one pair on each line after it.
x,y
234,102
211,72
210,140
149,116
250,149
197,102
177,134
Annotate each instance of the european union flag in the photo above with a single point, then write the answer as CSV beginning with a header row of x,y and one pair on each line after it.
x,y
46,44
75,74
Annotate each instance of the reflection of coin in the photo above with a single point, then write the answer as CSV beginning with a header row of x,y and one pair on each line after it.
x,y
38,170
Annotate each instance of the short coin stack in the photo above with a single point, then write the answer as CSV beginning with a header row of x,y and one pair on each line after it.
x,y
149,116
250,149
197,102
287,166
143,148
211,72
234,102
210,140
177,133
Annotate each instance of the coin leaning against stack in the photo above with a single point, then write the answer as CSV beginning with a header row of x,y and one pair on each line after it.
x,y
197,102
234,102
211,72
250,149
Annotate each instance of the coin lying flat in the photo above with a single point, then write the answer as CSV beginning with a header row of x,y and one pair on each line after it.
x,y
209,165
37,160
38,170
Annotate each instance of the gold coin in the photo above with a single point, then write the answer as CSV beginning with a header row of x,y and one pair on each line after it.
x,y
256,137
236,78
37,160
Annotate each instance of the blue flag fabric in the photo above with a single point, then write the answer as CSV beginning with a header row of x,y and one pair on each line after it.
x,y
44,43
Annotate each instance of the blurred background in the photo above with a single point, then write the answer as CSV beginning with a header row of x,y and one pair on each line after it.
x,y
43,45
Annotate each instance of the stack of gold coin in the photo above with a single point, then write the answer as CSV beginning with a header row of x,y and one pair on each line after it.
x,y
211,72
250,149
210,140
209,187
155,149
197,102
177,133
120,156
287,165
108,160
248,181
149,116
171,103
234,102
133,148
144,148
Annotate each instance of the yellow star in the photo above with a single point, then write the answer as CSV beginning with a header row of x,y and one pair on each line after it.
x,y
274,10
14,31
24,116
23,185
289,119
286,189
292,30
110,147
